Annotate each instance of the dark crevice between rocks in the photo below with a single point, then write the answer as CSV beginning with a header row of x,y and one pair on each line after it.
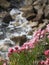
x,y
8,0
23,40
31,17
2,9
34,14
6,20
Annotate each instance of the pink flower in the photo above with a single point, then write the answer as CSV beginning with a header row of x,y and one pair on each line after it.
x,y
37,33
47,28
9,54
10,50
16,47
19,49
34,40
41,36
41,63
48,36
46,53
31,45
15,50
24,48
48,25
4,63
25,44
47,61
42,32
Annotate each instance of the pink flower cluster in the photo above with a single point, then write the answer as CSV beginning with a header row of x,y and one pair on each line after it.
x,y
31,44
47,28
25,46
46,53
45,62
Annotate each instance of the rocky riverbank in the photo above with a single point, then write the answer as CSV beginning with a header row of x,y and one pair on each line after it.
x,y
19,19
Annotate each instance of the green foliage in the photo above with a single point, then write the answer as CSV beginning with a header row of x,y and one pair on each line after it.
x,y
31,56
47,40
1,62
28,57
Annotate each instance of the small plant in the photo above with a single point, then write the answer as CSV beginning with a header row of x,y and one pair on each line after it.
x,y
31,52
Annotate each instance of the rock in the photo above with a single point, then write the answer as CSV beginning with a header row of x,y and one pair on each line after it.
x,y
42,25
40,2
7,18
28,2
3,56
33,24
4,3
4,48
46,11
16,3
39,14
29,37
19,40
21,3
3,14
5,44
1,35
17,15
28,11
15,12
8,42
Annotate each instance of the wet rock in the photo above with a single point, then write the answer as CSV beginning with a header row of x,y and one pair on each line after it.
x,y
1,35
5,44
14,12
29,37
17,32
3,56
7,18
17,16
8,42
